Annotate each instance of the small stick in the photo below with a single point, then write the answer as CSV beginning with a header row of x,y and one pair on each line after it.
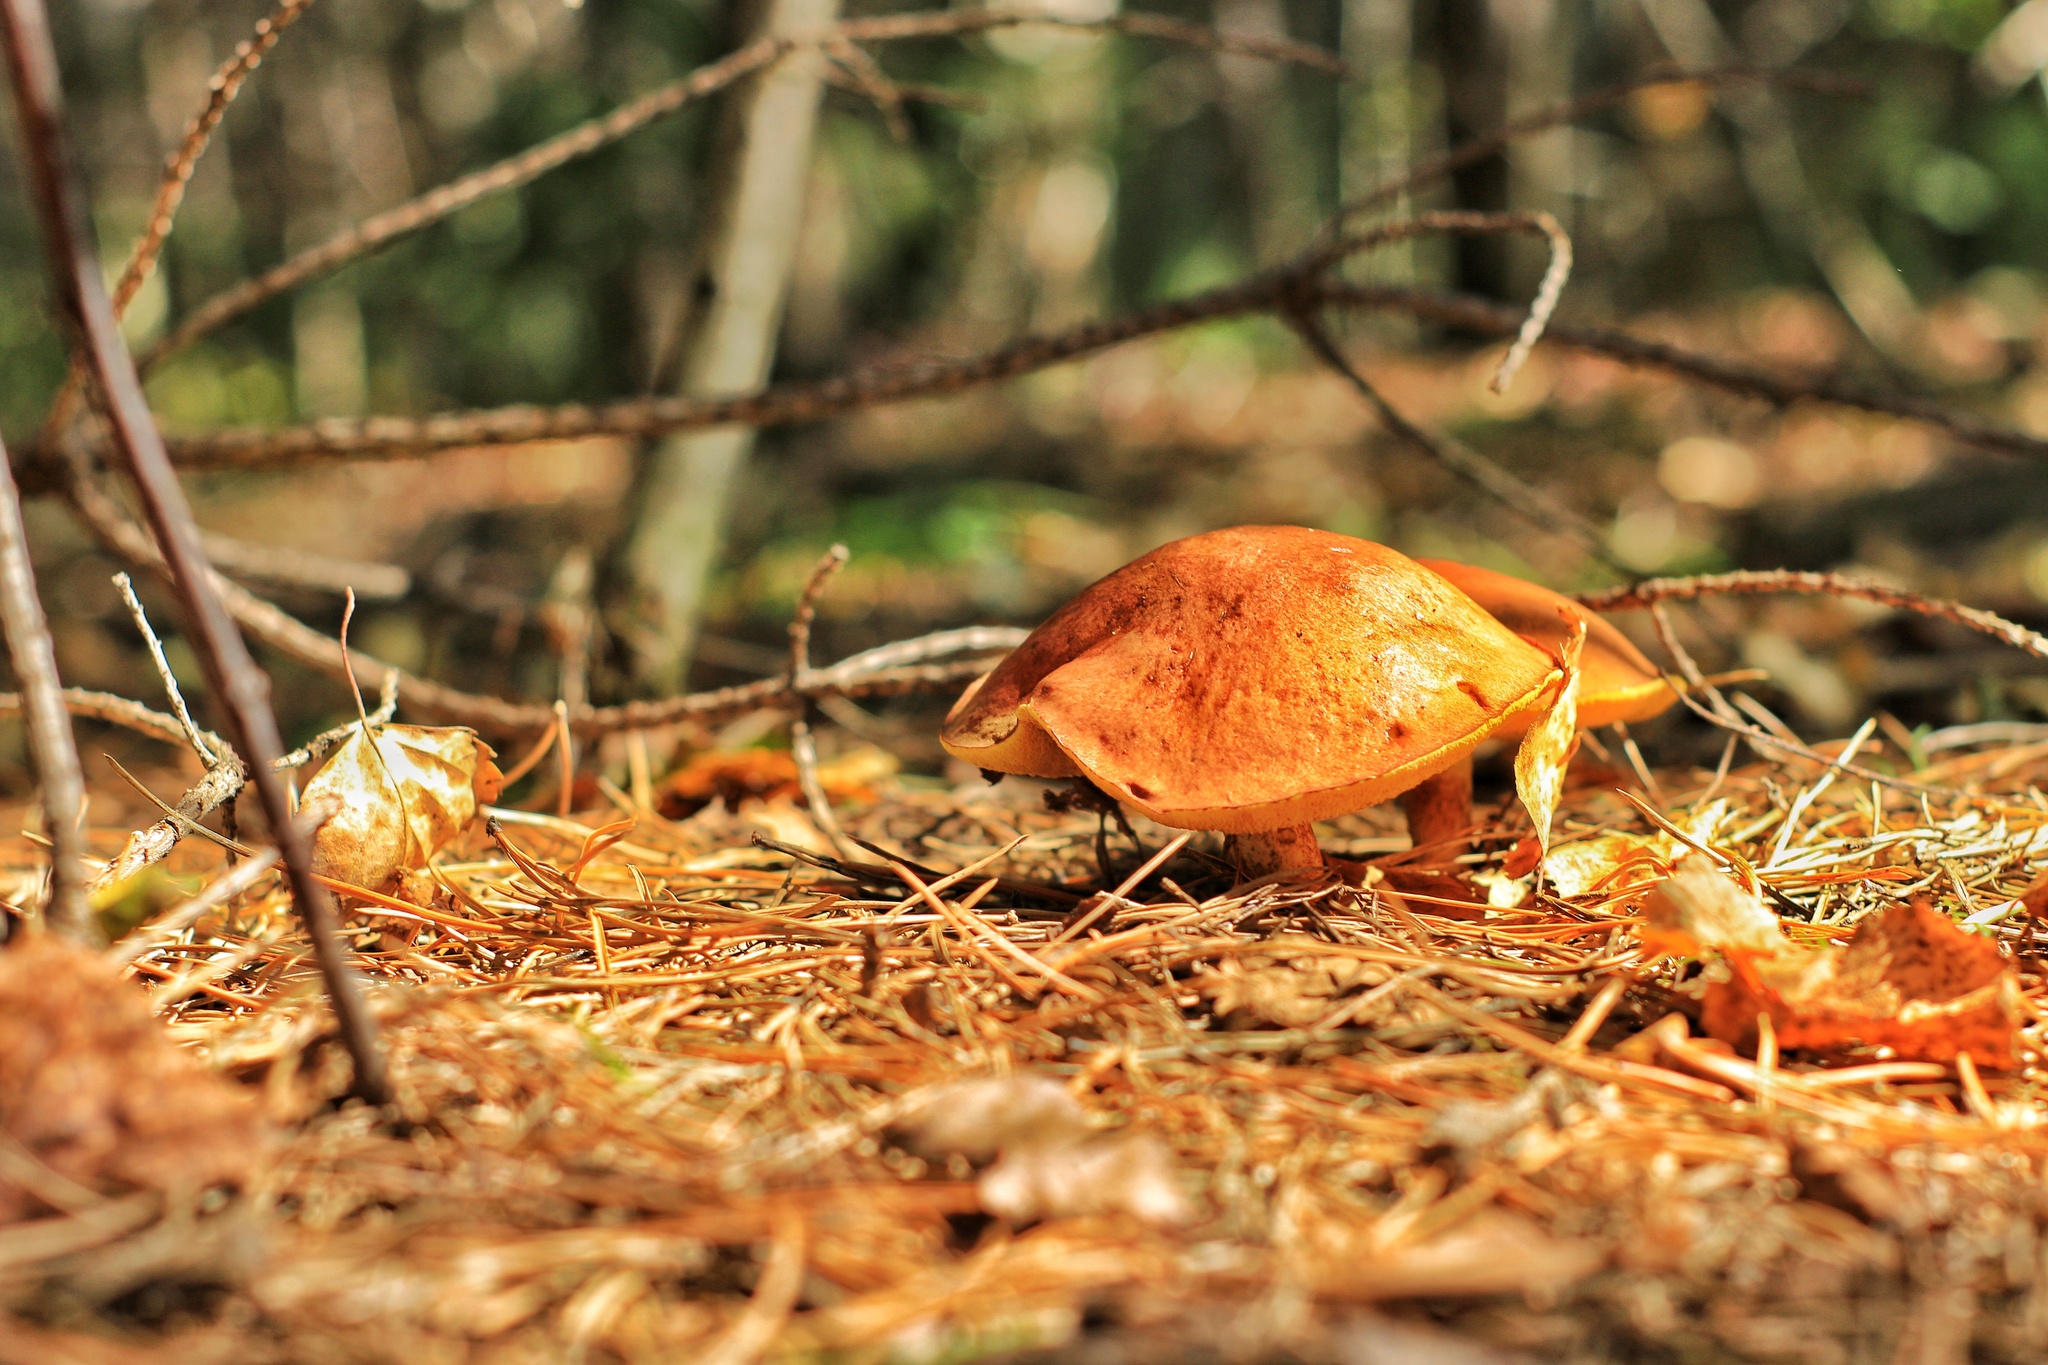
x,y
1534,505
802,747
163,671
565,752
51,744
236,682
1760,582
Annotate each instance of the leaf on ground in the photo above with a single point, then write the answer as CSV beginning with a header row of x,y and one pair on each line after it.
x,y
1492,1252
1547,748
94,1092
1284,993
400,792
733,778
1909,978
1049,1160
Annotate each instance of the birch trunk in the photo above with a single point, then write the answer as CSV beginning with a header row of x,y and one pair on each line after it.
x,y
738,289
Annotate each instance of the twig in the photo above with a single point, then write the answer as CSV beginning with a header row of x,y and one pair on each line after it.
x,y
298,568
1760,582
1532,503
240,688
382,229
888,670
802,747
1485,318
1574,109
206,752
218,892
170,193
51,744
105,706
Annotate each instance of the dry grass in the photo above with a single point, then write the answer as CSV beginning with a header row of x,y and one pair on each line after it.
x,y
668,1099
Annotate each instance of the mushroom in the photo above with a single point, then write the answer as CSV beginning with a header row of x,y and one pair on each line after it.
x,y
1616,683
1252,681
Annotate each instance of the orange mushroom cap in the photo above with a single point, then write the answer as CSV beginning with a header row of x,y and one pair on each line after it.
x,y
1616,683
1253,679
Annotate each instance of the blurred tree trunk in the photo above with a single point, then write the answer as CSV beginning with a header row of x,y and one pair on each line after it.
x,y
1472,57
754,210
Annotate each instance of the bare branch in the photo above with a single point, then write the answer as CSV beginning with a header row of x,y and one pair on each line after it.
x,y
1761,582
1486,318
51,744
178,168
207,752
382,229
1571,111
293,567
1532,503
802,746
238,685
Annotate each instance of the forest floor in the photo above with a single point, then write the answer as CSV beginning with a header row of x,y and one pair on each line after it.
x,y
666,1093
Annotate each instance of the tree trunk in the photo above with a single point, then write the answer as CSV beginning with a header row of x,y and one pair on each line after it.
x,y
755,208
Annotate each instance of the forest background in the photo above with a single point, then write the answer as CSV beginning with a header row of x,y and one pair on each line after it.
x,y
1893,236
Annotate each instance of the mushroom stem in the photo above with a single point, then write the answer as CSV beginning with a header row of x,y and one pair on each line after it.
x,y
1271,850
1439,809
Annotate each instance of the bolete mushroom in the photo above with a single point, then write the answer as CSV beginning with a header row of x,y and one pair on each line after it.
x,y
1252,681
1616,683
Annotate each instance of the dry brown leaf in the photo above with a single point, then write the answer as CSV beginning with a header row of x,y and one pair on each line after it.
x,y
1050,1162
398,798
1285,993
1547,749
1492,1252
91,1088
735,777
1909,979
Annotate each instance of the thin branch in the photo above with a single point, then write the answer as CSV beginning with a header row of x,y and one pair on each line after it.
x,y
293,567
208,754
803,748
1485,318
1290,285
114,710
170,193
238,685
889,670
1574,109
382,229
1761,582
1532,503
51,744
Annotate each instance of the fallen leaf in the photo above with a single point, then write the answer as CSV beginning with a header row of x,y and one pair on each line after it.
x,y
1547,749
1049,1160
1286,993
400,792
93,1091
1492,1252
733,778
1909,978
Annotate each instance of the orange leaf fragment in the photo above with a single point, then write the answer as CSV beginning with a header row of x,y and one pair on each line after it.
x,y
1909,979
1547,748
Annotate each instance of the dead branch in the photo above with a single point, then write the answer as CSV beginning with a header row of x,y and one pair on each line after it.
x,y
802,747
1574,109
1762,582
114,710
888,670
50,741
178,168
293,567
237,684
1483,317
382,229
1294,284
